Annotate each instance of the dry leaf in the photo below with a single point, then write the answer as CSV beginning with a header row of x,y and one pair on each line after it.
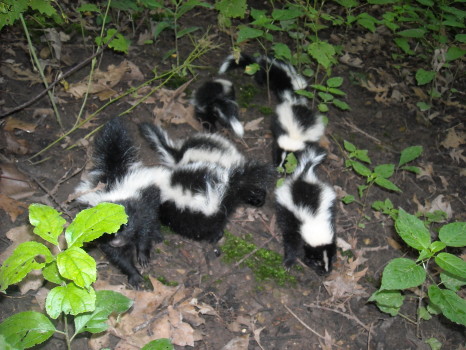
x,y
351,61
253,124
426,172
257,336
15,145
440,204
454,139
457,154
12,207
16,235
16,72
13,123
238,343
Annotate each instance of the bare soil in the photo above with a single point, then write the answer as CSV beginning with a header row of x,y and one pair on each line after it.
x,y
310,314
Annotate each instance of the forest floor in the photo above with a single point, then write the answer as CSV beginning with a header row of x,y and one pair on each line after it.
x,y
214,301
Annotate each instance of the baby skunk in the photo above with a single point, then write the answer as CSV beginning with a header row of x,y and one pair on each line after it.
x,y
294,127
127,183
252,177
215,102
306,215
281,76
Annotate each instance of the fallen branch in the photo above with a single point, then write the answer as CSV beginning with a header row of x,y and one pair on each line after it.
x,y
302,322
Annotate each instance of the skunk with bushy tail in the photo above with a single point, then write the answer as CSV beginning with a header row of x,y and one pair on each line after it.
x,y
214,102
251,178
127,182
305,208
294,125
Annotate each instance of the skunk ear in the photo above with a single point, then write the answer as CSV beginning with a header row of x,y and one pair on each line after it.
x,y
114,151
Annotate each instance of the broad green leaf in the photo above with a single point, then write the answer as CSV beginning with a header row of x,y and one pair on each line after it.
x,y
282,51
451,264
247,33
48,223
360,169
322,107
409,154
335,91
26,257
361,189
159,344
454,53
424,255
388,301
387,184
412,169
51,274
412,230
26,329
424,314
362,155
452,282
290,163
403,44
461,38
76,265
323,52
402,273
423,106
88,8
280,182
348,199
412,33
385,170
9,15
335,82
286,14
187,6
69,299
341,104
347,3
451,305
185,31
43,6
365,20
437,246
305,93
453,234
434,343
426,2
325,97
107,302
92,223
424,77
349,146
252,69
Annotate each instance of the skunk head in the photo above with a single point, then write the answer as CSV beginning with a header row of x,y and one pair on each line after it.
x,y
252,181
320,258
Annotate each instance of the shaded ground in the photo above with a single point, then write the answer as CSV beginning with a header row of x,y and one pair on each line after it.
x,y
277,317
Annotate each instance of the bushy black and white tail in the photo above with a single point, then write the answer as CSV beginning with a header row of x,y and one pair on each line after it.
x,y
160,142
279,76
114,153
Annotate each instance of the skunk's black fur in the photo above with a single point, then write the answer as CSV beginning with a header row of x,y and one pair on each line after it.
x,y
116,165
280,76
252,178
294,128
306,215
214,101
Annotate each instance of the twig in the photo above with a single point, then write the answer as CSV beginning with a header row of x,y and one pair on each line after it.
x,y
302,322
50,194
354,127
52,85
350,317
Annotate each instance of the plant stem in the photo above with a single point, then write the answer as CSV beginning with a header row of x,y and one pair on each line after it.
x,y
39,68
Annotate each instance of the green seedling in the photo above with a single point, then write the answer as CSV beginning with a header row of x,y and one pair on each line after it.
x,y
416,276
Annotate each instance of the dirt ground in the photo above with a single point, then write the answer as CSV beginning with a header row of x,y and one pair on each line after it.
x,y
317,312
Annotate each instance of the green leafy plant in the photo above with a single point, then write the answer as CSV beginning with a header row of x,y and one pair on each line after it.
x,y
326,94
289,166
71,269
421,275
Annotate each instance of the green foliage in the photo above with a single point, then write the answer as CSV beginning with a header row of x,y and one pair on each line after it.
x,y
289,166
402,274
11,10
159,344
265,264
72,269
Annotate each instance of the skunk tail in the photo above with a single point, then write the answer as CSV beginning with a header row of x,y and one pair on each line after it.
x,y
231,63
114,152
309,159
160,142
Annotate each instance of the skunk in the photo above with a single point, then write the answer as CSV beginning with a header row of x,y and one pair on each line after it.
x,y
200,147
215,102
294,127
279,76
305,209
252,177
129,183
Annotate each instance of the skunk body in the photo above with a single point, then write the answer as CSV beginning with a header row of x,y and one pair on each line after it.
x,y
279,76
294,128
127,183
214,102
251,178
306,215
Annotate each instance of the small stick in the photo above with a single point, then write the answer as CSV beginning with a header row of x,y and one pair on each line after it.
x,y
302,322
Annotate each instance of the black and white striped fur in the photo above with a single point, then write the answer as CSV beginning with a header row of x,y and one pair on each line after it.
x,y
279,76
127,182
214,101
252,178
306,215
294,127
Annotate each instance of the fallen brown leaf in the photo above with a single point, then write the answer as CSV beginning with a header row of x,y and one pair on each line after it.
x,y
238,343
454,139
253,124
13,123
12,207
15,145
